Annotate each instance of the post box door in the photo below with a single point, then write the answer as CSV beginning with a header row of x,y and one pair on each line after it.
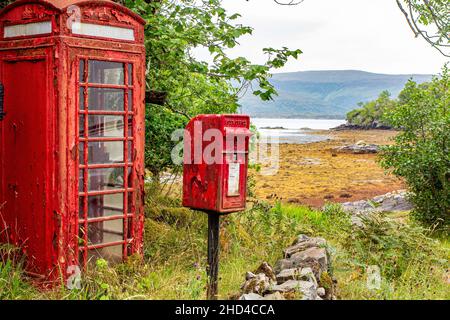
x,y
234,188
23,157
106,146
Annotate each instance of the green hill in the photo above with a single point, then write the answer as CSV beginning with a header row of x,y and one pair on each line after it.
x,y
324,94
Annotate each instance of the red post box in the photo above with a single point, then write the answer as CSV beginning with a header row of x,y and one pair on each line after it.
x,y
215,163
215,175
71,132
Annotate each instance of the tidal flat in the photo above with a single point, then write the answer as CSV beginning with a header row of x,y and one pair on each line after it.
x,y
314,173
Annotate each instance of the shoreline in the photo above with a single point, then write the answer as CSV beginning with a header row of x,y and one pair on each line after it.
x,y
314,173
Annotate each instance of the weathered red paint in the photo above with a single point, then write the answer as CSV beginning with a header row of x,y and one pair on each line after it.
x,y
206,184
42,191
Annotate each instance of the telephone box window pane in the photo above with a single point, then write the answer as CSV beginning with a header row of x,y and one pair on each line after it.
x,y
106,99
81,207
130,126
81,99
130,177
105,152
81,153
81,124
105,72
130,100
105,205
106,126
130,74
81,181
81,234
81,71
105,179
113,254
130,151
105,231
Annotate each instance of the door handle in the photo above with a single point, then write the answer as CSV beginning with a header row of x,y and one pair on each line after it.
x,y
2,100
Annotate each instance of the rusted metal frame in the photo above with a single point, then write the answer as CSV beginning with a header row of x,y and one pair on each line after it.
x,y
106,192
105,245
105,139
86,157
106,166
109,218
104,85
125,198
105,113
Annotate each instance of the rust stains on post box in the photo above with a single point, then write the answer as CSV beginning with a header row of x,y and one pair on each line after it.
x,y
215,163
72,132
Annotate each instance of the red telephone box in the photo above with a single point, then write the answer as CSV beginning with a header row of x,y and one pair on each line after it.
x,y
215,172
72,133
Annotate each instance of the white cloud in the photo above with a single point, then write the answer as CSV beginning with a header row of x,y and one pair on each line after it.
x,y
369,35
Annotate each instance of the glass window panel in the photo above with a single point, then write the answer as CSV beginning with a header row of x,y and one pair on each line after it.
x,y
130,151
106,72
81,124
130,177
106,126
105,179
81,153
105,205
81,98
81,235
81,180
105,231
113,254
81,71
81,207
104,152
130,126
130,74
130,100
106,99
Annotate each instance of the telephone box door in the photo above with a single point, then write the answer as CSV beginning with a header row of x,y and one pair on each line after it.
x,y
108,172
23,157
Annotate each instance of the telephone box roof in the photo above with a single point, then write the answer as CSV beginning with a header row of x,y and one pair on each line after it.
x,y
62,4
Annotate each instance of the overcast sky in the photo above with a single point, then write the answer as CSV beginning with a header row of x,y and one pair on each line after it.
x,y
369,35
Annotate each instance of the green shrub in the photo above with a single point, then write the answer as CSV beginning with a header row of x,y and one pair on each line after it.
x,y
421,153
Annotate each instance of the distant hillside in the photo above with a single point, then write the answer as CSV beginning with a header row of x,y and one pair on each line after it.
x,y
324,94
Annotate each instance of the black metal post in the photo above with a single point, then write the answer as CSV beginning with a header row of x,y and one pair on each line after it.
x,y
213,254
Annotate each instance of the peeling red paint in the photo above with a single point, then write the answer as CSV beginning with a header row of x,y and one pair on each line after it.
x,y
40,136
206,185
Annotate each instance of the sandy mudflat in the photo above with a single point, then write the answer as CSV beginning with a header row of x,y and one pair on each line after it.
x,y
313,173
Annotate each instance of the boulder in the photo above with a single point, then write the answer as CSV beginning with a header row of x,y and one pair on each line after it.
x,y
307,288
274,296
251,296
305,274
301,245
358,148
311,255
266,269
258,284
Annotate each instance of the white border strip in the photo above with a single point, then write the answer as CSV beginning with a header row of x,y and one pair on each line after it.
x,y
97,30
29,29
